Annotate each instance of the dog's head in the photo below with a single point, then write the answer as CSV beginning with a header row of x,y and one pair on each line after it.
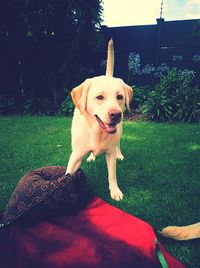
x,y
104,98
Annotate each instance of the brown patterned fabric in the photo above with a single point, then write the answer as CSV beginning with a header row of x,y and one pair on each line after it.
x,y
46,192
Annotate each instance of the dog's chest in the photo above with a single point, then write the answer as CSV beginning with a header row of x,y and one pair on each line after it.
x,y
102,144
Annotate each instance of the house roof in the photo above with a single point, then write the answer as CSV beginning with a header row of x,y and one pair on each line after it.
x,y
145,37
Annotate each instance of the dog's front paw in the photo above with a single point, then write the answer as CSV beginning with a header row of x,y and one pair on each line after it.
x,y
119,156
92,157
116,193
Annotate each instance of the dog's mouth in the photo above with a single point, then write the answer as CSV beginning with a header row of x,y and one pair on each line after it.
x,y
109,128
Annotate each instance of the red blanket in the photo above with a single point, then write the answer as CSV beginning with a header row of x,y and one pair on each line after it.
x,y
97,237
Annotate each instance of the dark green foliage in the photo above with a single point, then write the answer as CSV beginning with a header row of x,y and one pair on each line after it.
x,y
172,100
188,106
66,107
37,106
6,104
158,106
140,96
49,45
46,46
33,105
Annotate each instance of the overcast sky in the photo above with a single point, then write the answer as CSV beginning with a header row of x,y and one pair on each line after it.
x,y
140,12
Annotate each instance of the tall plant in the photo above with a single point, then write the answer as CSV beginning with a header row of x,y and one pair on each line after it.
x,y
133,65
196,60
173,99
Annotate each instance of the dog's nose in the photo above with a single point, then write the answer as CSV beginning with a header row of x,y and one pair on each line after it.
x,y
115,116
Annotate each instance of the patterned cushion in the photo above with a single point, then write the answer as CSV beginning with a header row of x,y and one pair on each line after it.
x,y
46,193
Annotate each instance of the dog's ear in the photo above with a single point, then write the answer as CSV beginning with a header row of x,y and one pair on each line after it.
x,y
79,95
128,95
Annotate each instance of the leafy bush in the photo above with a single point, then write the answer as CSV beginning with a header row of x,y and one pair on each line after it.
x,y
6,104
66,107
140,96
188,106
33,105
158,106
37,106
173,99
133,65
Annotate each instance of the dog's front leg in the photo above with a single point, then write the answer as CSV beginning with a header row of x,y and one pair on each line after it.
x,y
119,154
115,192
74,163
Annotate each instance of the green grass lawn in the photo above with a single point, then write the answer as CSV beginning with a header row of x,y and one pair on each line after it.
x,y
160,175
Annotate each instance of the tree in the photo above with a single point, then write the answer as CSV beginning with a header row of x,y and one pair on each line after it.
x,y
50,43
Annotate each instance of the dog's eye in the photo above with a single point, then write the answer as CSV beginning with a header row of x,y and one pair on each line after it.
x,y
100,97
120,97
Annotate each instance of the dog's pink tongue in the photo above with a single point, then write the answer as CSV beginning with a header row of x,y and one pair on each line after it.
x,y
111,129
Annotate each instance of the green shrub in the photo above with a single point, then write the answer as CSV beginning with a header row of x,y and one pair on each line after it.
x,y
33,105
188,106
37,106
6,104
173,99
158,106
66,107
140,96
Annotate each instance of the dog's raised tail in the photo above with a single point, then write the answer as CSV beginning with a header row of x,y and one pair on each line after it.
x,y
110,59
182,232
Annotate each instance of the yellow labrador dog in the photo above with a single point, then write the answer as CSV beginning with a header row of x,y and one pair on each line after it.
x,y
97,121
